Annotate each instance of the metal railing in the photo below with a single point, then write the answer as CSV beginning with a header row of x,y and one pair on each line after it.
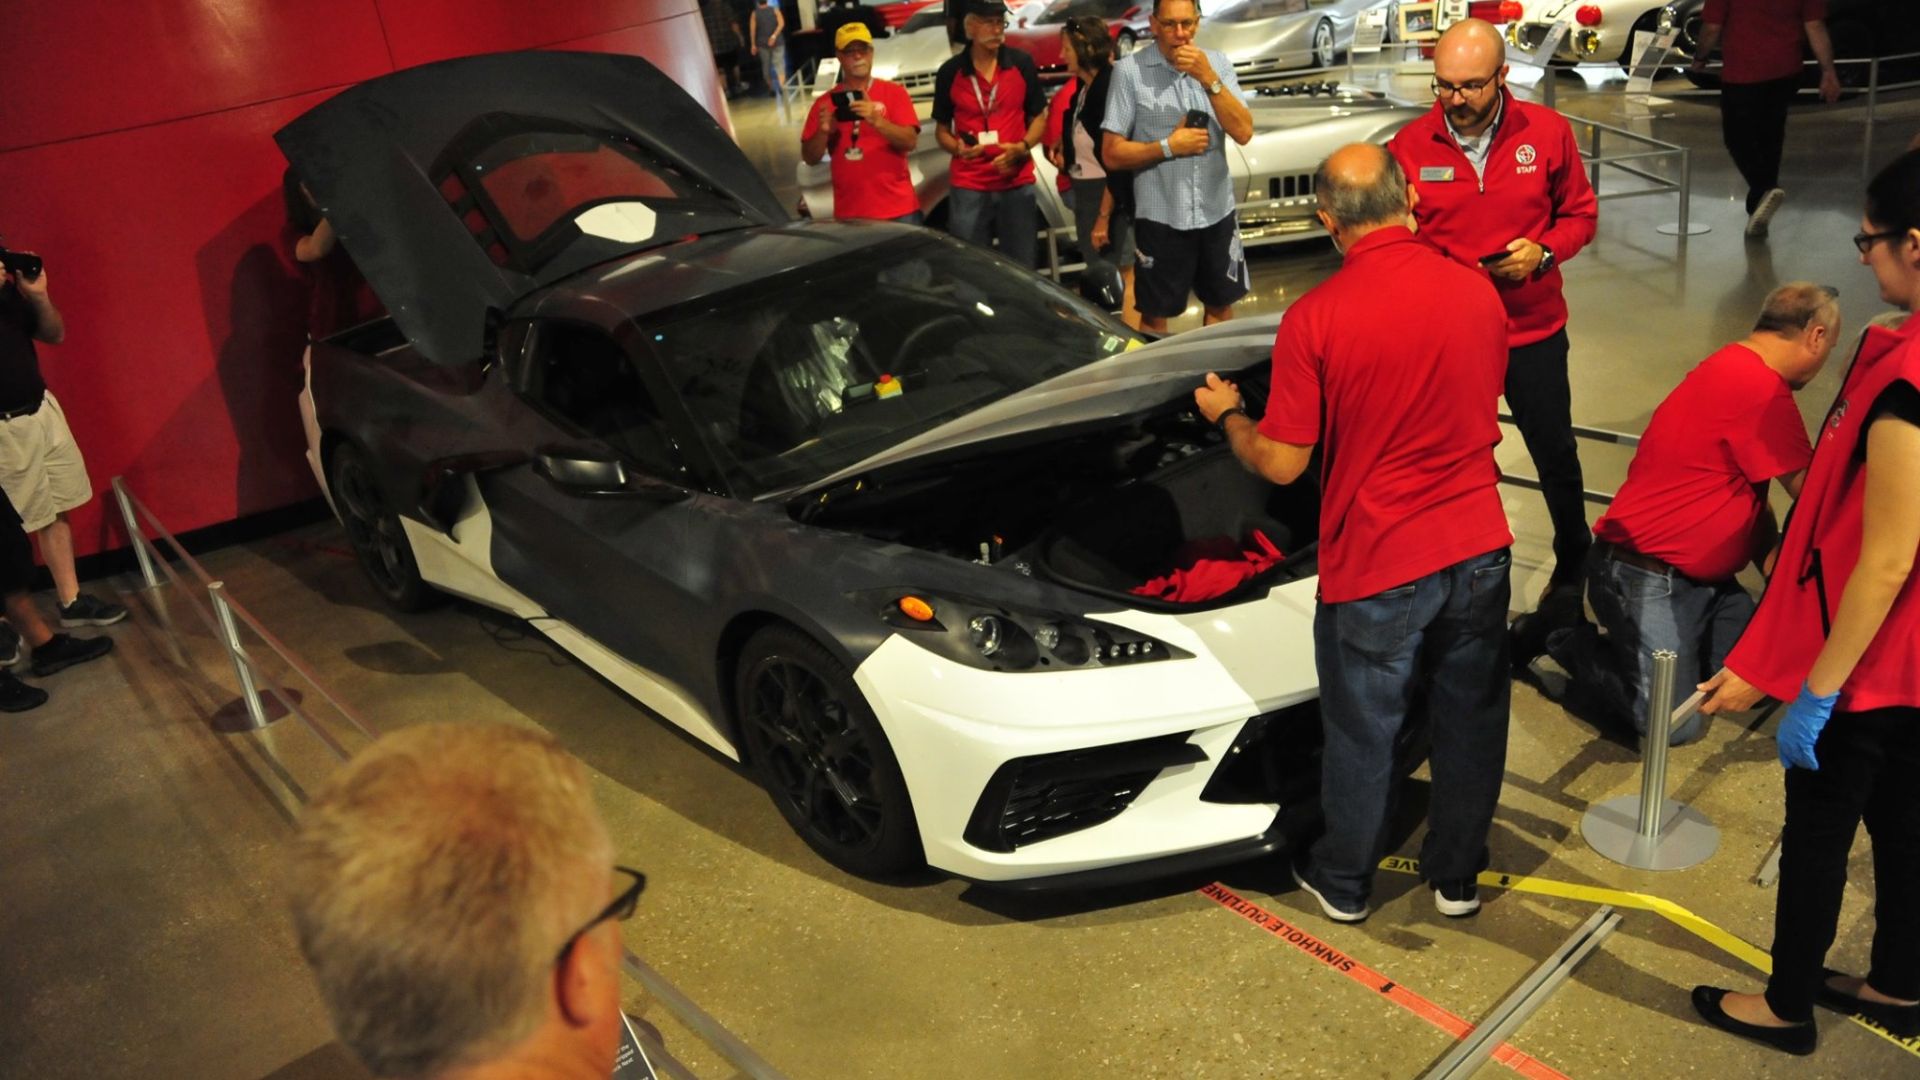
x,y
223,617
1618,438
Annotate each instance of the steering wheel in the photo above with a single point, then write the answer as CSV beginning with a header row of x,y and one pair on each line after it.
x,y
905,352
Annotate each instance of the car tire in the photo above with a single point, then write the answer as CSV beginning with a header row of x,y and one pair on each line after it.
x,y
1323,53
813,743
1124,43
374,532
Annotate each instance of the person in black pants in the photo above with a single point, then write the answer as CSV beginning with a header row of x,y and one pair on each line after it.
x,y
1758,80
1838,634
51,652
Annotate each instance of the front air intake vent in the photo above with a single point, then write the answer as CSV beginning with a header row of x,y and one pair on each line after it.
x,y
1037,798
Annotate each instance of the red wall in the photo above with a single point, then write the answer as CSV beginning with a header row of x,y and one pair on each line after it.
x,y
136,156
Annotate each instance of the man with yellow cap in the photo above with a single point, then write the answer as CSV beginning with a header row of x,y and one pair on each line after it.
x,y
869,127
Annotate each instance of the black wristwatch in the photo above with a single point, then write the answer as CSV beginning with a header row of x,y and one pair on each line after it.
x,y
1221,420
1546,261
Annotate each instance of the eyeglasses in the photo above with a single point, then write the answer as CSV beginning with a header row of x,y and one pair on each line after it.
x,y
1866,240
620,910
1442,89
1178,24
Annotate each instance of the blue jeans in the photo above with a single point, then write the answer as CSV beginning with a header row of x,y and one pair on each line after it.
x,y
1436,646
915,218
1013,216
1643,611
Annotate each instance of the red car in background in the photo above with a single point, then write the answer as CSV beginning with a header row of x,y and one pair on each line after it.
x,y
897,14
1126,21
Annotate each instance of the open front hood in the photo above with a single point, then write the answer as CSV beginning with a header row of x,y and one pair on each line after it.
x,y
1125,383
460,186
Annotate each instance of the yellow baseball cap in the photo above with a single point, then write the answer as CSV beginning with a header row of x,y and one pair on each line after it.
x,y
851,33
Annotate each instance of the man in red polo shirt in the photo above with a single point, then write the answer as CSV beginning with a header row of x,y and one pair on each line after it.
x,y
870,127
991,112
1760,43
1502,192
1694,511
1399,388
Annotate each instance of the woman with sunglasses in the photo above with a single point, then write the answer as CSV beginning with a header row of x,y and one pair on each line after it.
x,y
1837,633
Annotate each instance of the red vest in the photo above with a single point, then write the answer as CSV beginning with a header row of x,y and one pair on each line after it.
x,y
1822,546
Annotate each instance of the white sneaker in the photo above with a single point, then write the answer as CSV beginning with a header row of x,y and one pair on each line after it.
x,y
1763,213
1334,913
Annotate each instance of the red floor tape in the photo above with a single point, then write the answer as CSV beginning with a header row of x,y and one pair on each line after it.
x,y
1506,1054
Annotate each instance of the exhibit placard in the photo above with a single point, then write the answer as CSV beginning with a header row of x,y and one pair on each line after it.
x,y
630,1061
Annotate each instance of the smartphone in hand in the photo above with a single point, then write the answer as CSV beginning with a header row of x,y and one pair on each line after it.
x,y
1492,257
1196,118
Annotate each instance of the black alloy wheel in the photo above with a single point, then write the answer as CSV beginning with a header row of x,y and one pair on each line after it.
x,y
375,533
813,743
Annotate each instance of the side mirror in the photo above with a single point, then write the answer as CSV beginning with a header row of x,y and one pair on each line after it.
x,y
594,474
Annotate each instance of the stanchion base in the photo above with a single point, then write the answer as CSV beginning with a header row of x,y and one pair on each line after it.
x,y
1686,838
233,716
1694,228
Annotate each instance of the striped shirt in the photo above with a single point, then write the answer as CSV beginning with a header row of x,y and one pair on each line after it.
x,y
1148,101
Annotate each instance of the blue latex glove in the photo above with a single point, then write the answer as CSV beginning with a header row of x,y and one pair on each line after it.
x,y
1801,727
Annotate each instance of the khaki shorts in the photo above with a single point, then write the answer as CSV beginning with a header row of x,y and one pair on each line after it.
x,y
40,466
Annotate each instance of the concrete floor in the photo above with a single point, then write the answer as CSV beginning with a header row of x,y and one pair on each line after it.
x,y
143,932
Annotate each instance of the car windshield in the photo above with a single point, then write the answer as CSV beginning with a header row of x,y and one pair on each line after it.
x,y
1061,10
803,374
925,17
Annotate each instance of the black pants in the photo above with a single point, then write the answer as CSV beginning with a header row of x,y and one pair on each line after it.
x,y
1753,123
1543,411
1869,769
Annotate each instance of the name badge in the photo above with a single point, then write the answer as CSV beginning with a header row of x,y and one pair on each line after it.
x,y
989,138
1436,172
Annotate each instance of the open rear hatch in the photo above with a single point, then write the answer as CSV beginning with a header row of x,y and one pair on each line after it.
x,y
460,186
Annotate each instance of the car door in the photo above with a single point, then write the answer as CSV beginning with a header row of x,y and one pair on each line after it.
x,y
623,569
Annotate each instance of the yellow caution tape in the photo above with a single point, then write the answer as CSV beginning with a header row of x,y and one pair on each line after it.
x,y
1723,940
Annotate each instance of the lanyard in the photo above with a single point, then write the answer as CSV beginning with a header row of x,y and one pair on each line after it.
x,y
987,99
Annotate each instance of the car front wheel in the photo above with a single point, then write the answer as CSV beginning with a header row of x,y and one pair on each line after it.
x,y
816,747
1323,53
374,532
1125,43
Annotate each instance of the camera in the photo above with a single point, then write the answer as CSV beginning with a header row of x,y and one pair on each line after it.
x,y
843,103
21,263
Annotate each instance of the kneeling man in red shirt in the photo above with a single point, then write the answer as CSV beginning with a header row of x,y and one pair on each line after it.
x,y
1694,511
1398,387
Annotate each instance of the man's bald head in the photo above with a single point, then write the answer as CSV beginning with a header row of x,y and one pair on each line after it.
x,y
1361,185
1474,42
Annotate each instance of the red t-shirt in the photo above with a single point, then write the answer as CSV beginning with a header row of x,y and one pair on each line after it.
x,y
877,183
1394,366
1690,499
1761,40
970,105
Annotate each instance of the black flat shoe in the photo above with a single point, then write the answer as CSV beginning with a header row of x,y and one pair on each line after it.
x,y
1798,1039
1901,1020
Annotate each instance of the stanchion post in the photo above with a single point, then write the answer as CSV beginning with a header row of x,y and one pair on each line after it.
x,y
135,534
1873,102
1650,831
1593,157
1653,764
230,630
1684,227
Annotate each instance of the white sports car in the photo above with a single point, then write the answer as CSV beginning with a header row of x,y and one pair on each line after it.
x,y
857,505
1598,31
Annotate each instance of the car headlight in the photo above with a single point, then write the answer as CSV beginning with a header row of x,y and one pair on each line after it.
x,y
993,637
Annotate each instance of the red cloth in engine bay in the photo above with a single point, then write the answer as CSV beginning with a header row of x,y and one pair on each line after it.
x,y
1205,569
